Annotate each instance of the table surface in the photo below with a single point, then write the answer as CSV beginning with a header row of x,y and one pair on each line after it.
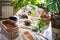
x,y
47,32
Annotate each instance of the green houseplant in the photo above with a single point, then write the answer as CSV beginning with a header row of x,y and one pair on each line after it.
x,y
52,6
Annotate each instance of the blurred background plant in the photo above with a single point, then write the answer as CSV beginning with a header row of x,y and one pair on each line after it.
x,y
18,4
52,6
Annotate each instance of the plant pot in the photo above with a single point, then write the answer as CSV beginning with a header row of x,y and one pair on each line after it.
x,y
10,32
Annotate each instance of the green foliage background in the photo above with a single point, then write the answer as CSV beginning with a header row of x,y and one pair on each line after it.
x,y
52,6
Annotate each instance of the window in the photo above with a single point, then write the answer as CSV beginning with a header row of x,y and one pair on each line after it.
x,y
7,10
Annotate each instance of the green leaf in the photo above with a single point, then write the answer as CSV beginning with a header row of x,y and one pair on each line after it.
x,y
35,29
33,11
41,24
